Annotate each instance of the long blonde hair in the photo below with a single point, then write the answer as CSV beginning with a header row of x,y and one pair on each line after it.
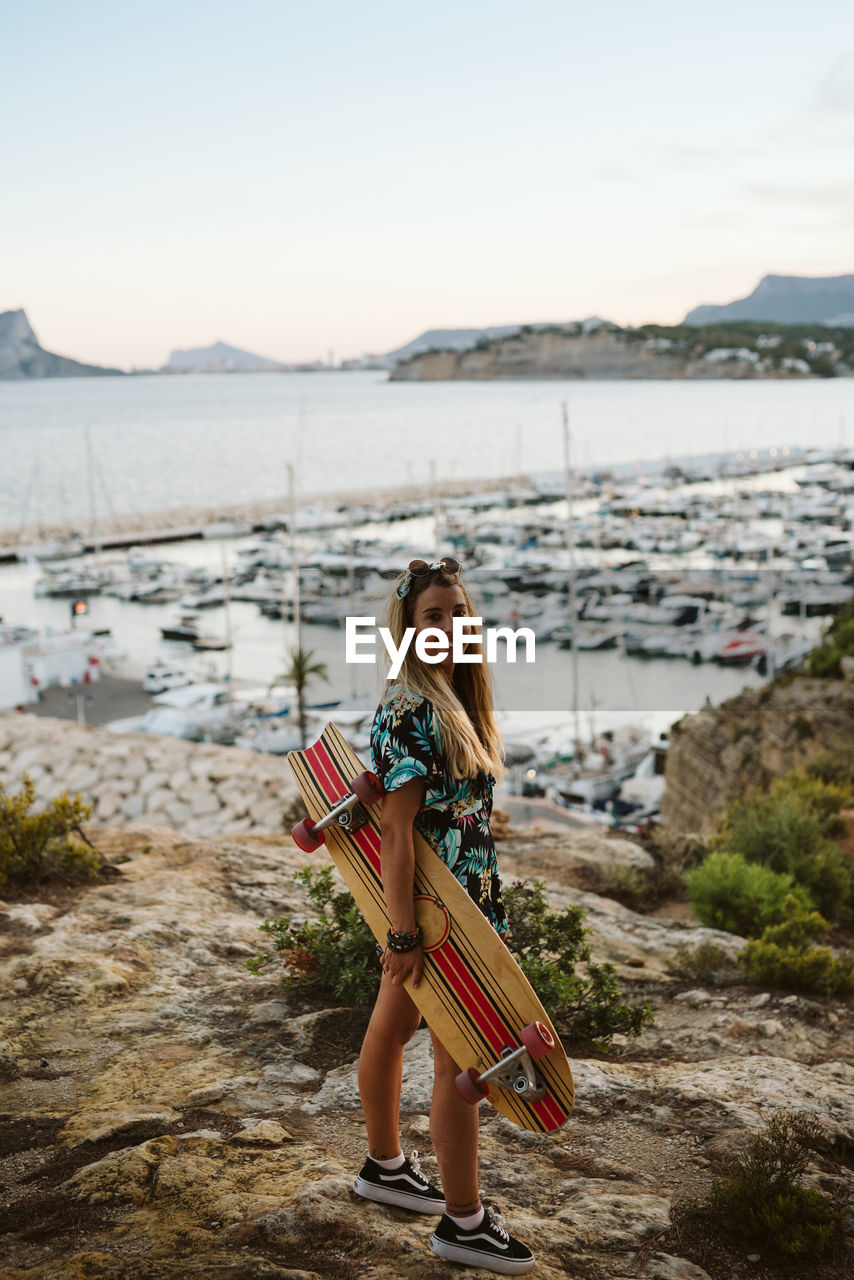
x,y
465,714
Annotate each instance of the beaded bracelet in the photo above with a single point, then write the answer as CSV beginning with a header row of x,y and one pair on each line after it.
x,y
401,943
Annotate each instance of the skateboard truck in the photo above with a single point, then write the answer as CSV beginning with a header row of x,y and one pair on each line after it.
x,y
349,813
514,1071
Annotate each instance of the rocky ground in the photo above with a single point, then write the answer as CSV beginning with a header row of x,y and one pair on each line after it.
x,y
166,1113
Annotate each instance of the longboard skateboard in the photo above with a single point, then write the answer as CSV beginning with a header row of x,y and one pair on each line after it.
x,y
472,993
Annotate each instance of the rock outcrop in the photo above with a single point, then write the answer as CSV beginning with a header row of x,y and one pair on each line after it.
x,y
199,789
750,740
22,356
166,1113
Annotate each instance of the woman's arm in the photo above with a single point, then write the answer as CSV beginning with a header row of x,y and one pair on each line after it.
x,y
397,857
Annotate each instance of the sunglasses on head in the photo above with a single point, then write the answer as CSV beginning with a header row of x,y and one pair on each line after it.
x,y
420,569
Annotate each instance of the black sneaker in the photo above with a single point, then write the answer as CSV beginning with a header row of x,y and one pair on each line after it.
x,y
488,1245
406,1187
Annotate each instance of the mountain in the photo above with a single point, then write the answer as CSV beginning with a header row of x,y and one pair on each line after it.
x,y
448,340
788,300
22,356
219,358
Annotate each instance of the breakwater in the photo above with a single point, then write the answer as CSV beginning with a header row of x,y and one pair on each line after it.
x,y
199,789
181,524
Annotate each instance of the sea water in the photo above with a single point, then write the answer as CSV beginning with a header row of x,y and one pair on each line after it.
x,y
151,443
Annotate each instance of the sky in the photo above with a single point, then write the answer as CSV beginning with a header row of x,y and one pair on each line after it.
x,y
300,180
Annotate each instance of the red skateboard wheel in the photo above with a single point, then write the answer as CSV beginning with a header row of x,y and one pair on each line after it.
x,y
305,836
469,1087
537,1039
367,787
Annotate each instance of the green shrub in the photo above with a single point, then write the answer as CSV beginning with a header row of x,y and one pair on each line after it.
x,y
728,892
639,888
672,854
825,661
549,946
822,797
786,829
34,847
762,1202
833,766
706,962
802,727
838,642
785,957
624,884
331,957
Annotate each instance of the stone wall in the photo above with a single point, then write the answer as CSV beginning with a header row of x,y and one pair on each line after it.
x,y
749,741
199,789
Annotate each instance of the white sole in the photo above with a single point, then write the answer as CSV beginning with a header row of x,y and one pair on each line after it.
x,y
476,1258
369,1191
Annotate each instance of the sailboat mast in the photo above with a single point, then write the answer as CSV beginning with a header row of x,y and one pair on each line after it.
x,y
25,511
90,477
226,600
292,521
437,516
570,542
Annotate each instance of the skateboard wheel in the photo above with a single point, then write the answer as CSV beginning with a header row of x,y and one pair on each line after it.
x,y
469,1087
367,787
537,1039
305,836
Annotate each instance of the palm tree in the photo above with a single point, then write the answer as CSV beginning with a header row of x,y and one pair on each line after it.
x,y
301,669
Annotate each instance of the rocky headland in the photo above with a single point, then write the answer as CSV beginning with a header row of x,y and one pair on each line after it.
x,y
559,353
23,356
167,1113
575,350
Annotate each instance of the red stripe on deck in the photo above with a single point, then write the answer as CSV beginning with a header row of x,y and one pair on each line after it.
x,y
463,983
324,767
474,1001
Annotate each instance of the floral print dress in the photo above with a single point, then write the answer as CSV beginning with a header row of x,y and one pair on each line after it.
x,y
454,817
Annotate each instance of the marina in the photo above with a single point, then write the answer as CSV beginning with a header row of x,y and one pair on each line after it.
x,y
645,598
178,540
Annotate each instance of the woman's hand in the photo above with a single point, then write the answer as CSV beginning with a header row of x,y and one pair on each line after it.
x,y
398,966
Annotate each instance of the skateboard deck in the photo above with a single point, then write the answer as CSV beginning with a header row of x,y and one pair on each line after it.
x,y
472,993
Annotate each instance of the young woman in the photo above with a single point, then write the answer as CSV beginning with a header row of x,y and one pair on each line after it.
x,y
437,750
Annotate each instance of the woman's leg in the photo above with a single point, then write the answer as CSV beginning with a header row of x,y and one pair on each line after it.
x,y
454,1130
394,1021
